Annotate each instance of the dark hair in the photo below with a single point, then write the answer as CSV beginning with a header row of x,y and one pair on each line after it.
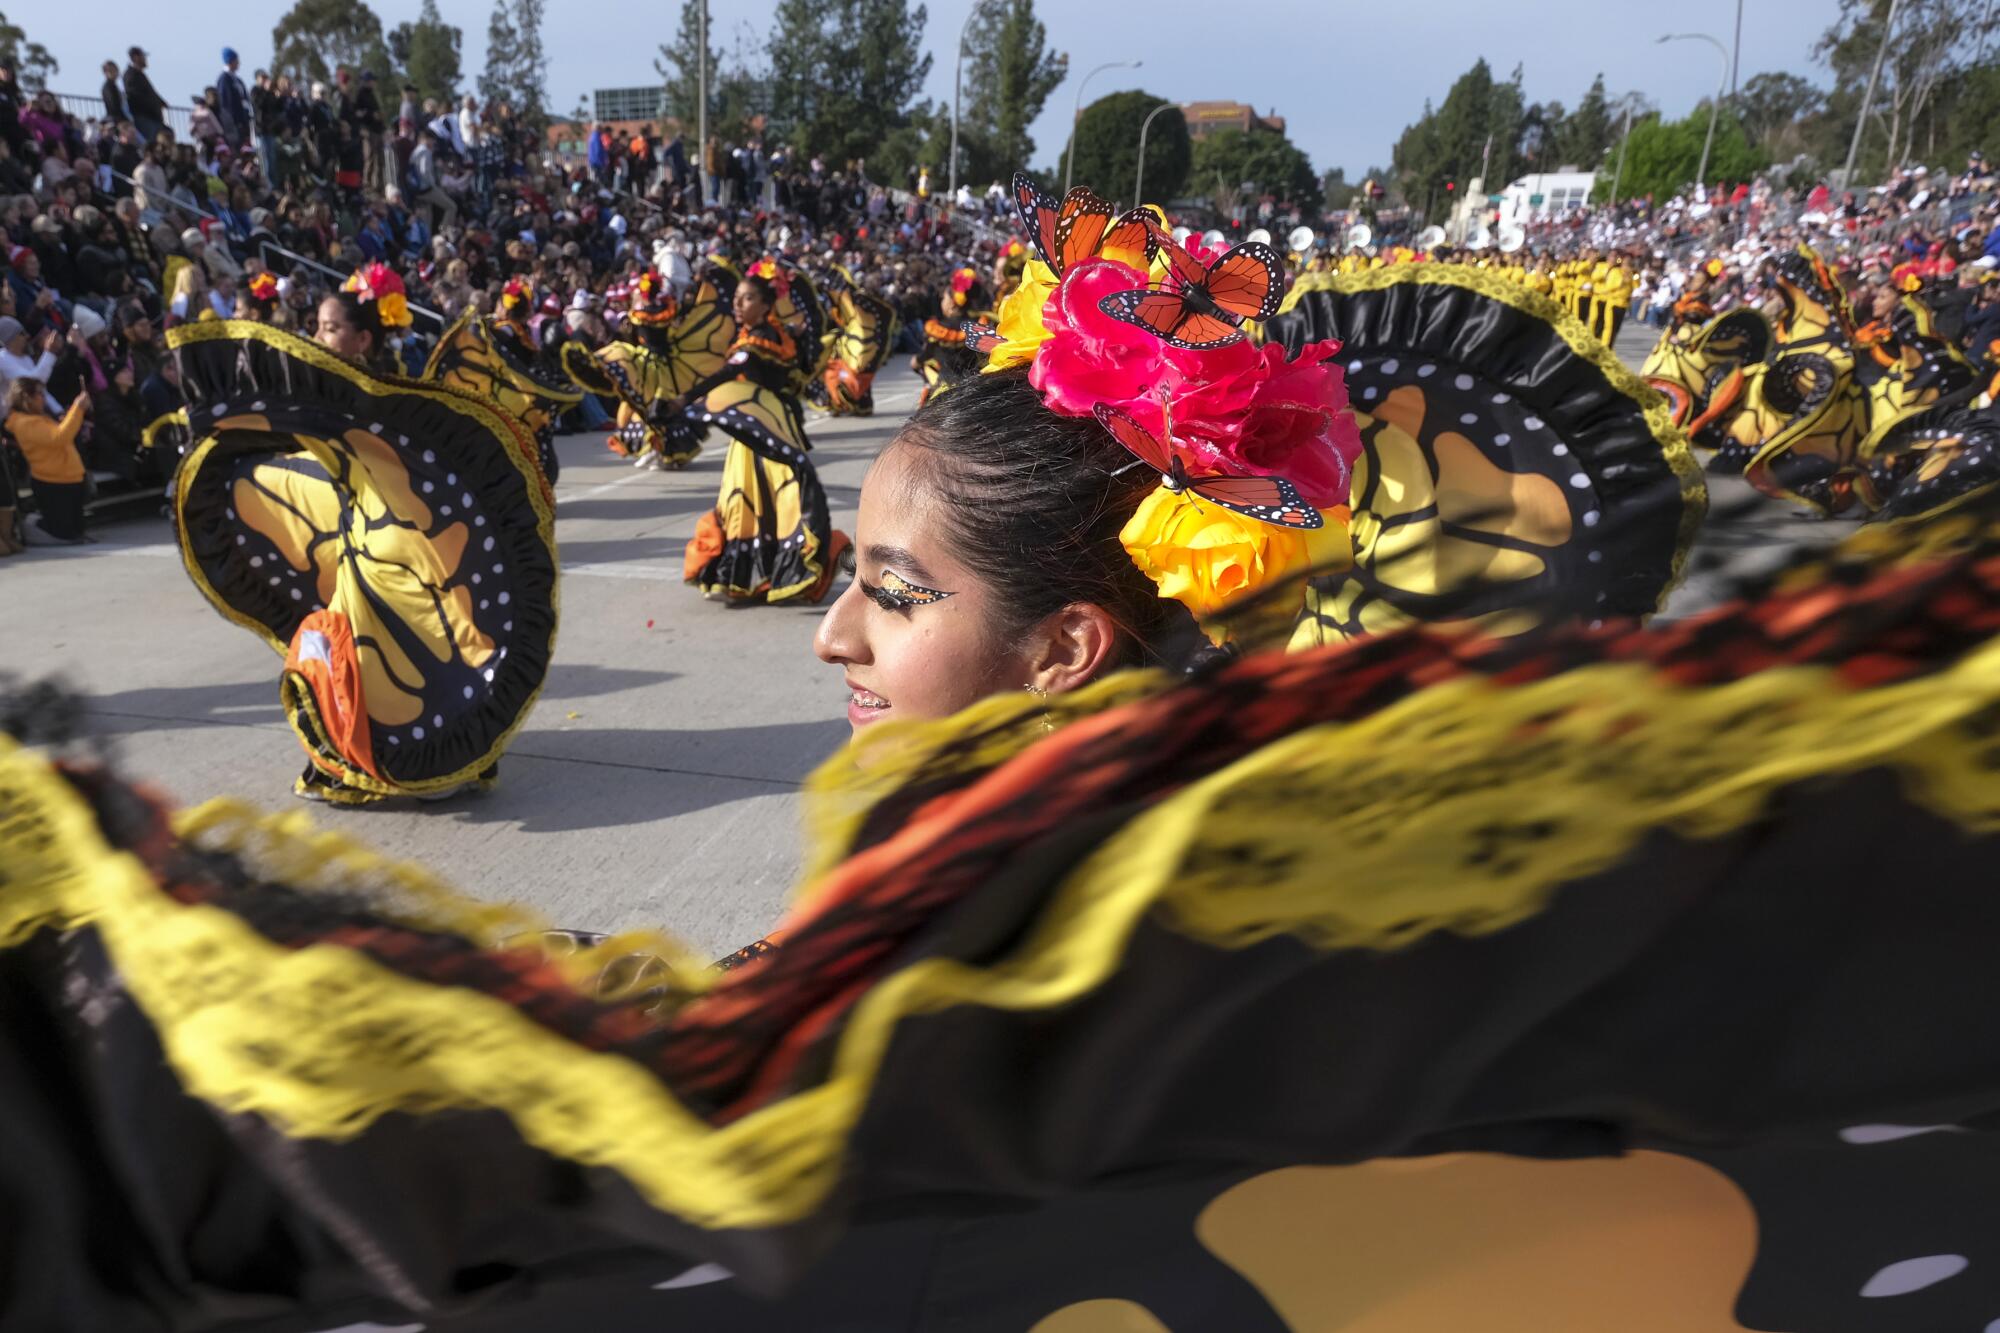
x,y
1035,502
763,286
366,318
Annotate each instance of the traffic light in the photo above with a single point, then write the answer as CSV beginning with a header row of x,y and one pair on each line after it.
x,y
1450,187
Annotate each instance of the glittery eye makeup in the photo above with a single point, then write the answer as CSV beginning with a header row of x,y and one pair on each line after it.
x,y
897,593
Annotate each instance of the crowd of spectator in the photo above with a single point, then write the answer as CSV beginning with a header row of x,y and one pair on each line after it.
x,y
124,215
1921,227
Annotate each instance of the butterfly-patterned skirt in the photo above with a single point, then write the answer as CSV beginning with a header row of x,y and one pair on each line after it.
x,y
769,537
473,359
1636,978
1512,469
392,540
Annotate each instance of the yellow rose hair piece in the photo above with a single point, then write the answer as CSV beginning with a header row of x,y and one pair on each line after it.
x,y
382,285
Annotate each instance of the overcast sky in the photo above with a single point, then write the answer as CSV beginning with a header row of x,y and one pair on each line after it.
x,y
1347,78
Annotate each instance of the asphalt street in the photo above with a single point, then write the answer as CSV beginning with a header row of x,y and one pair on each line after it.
x,y
655,783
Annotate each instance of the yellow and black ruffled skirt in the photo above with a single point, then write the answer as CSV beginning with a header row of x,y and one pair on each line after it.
x,y
1512,469
769,537
393,541
1630,978
474,359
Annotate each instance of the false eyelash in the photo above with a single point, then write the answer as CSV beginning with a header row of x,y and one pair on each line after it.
x,y
899,594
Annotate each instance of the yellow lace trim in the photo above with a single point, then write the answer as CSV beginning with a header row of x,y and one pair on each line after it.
x,y
1461,808
1487,282
839,794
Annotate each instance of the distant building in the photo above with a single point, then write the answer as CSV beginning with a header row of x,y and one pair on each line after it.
x,y
1205,118
648,103
1545,195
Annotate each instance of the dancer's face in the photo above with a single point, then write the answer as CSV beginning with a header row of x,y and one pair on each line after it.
x,y
749,306
338,333
913,631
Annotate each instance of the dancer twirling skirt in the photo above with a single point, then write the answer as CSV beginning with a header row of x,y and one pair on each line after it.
x,y
393,541
864,324
671,347
769,537
493,363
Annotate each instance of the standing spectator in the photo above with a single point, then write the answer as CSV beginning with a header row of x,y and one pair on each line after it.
x,y
49,444
267,116
152,194
10,111
711,170
234,101
425,193
445,129
146,107
468,127
113,95
126,155
366,112
205,119
409,120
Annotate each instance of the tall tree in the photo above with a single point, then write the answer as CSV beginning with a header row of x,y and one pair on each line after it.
x,y
31,62
1477,128
680,64
844,73
1932,41
1107,147
1587,131
317,37
1009,74
1661,157
503,54
531,64
1539,137
428,51
1258,160
1336,193
1773,106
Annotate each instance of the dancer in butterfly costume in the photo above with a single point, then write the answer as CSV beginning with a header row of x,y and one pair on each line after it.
x,y
945,357
392,540
262,1077
863,327
1828,417
770,537
669,347
1567,990
1511,468
487,359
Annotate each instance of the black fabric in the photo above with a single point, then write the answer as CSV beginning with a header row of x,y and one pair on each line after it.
x,y
1736,1000
1515,375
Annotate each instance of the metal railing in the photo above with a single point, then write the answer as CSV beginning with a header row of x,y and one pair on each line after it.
x,y
180,119
265,249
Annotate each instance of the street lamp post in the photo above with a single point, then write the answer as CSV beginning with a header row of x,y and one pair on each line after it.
x,y
1069,164
1714,108
701,100
1618,177
1139,177
957,82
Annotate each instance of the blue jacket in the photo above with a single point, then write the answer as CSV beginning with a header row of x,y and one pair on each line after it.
x,y
596,153
235,99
